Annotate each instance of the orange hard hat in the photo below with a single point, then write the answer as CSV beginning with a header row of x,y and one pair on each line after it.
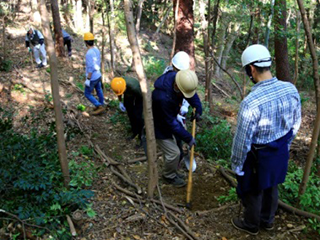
x,y
118,85
88,36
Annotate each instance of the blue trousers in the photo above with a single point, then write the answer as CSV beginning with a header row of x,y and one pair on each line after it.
x,y
96,84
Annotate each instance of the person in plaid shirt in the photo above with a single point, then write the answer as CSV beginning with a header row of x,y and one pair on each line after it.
x,y
268,119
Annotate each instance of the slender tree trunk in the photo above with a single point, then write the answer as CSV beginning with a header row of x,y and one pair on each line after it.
x,y
222,32
176,8
78,13
280,42
234,33
257,17
55,92
249,30
103,71
146,94
184,30
155,35
205,33
315,133
91,5
266,40
111,37
139,13
296,59
59,46
36,18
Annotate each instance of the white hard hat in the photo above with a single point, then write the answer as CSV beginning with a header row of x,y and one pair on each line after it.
x,y
187,82
256,54
181,60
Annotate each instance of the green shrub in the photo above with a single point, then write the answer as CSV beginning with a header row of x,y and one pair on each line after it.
x,y
81,107
153,66
31,182
232,197
5,65
214,139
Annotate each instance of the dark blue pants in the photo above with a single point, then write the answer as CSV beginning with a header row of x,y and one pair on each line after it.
x,y
260,207
134,106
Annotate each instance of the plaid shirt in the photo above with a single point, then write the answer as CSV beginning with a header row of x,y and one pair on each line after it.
x,y
268,113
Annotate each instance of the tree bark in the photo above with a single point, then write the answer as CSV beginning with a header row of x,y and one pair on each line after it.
x,y
103,44
78,15
280,42
176,8
184,30
59,46
55,92
146,94
221,35
249,30
315,133
257,16
231,38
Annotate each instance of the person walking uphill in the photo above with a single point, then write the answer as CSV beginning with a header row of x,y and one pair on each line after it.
x,y
170,89
268,119
36,39
93,74
129,87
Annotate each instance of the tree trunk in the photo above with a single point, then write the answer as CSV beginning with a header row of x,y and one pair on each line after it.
x,y
176,8
222,32
78,15
315,133
184,30
231,38
35,17
257,17
103,44
155,35
59,46
266,40
146,94
205,33
249,30
139,13
280,42
296,59
55,92
111,37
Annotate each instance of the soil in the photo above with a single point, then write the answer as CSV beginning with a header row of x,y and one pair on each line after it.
x,y
118,216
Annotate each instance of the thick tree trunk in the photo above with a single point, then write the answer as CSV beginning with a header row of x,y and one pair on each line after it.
x,y
55,92
59,46
146,93
280,42
315,133
78,20
184,30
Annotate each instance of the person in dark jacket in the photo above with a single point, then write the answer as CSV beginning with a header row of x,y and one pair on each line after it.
x,y
35,38
268,119
129,87
167,97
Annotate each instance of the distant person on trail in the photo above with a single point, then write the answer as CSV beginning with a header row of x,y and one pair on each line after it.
x,y
268,119
129,88
67,41
167,97
93,74
36,39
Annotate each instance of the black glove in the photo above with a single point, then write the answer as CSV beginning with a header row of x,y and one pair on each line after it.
x,y
195,116
192,142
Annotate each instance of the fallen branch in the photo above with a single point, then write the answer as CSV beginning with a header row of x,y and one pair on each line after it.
x,y
184,226
220,89
72,228
222,208
141,159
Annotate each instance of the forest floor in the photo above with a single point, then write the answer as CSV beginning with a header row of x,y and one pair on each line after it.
x,y
118,216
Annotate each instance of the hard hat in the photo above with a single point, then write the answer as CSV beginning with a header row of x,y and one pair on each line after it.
x,y
187,82
29,27
181,60
88,36
256,54
118,85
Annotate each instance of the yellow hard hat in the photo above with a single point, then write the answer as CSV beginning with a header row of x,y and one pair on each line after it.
x,y
187,82
88,36
118,85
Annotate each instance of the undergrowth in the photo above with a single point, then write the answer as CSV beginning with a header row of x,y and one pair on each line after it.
x,y
31,181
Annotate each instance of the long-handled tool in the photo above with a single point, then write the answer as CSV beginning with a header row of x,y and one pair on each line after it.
x,y
189,187
31,59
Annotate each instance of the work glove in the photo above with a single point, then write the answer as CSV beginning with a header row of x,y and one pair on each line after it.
x,y
87,83
195,116
192,142
29,49
182,120
37,46
183,110
122,107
